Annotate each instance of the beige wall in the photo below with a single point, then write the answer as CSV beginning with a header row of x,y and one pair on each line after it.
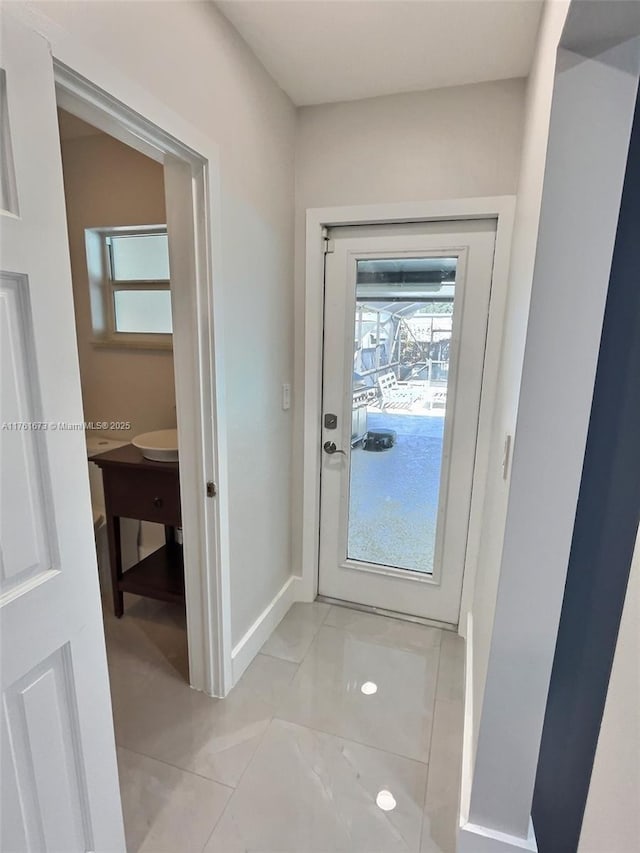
x,y
442,143
445,143
195,63
108,184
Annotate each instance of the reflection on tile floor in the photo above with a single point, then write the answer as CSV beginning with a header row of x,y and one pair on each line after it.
x,y
343,736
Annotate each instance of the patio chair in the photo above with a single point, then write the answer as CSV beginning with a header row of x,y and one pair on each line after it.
x,y
437,397
396,393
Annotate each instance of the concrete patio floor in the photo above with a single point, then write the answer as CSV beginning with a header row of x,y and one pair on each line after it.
x,y
394,493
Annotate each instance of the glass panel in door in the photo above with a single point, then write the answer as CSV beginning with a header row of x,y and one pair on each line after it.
x,y
401,357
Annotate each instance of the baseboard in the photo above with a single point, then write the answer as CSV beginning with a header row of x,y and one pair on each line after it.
x,y
480,839
467,732
473,838
257,635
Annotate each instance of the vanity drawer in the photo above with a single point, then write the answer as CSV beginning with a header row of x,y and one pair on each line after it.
x,y
146,495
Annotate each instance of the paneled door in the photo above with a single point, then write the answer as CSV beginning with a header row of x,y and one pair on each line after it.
x,y
59,774
405,327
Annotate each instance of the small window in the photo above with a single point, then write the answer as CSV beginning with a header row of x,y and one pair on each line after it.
x,y
139,257
142,311
129,285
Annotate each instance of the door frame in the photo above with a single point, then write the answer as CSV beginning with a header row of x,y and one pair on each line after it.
x,y
99,94
318,220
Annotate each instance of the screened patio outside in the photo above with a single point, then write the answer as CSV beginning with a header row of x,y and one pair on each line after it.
x,y
401,363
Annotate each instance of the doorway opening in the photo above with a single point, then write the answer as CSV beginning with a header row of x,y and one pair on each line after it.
x,y
161,312
119,250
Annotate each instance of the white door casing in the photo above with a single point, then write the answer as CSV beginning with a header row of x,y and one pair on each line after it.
x,y
59,774
101,96
472,242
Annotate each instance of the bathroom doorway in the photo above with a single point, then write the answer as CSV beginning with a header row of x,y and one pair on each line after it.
x,y
164,317
121,276
55,686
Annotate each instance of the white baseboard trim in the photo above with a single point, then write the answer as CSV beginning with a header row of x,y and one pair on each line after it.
x,y
257,635
480,839
473,838
467,732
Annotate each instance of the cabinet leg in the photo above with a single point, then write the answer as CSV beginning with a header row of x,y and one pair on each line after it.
x,y
115,560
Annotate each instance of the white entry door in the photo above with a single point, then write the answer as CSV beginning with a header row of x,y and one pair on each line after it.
x,y
406,312
59,775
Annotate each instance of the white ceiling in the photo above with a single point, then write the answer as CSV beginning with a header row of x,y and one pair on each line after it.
x,y
338,50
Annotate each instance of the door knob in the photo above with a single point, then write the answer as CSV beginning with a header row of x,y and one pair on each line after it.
x,y
330,448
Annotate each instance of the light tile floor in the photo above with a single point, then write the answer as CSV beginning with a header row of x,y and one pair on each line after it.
x,y
294,760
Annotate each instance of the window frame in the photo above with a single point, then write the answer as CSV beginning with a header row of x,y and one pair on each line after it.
x,y
103,286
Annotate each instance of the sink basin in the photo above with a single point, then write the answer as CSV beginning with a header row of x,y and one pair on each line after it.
x,y
160,446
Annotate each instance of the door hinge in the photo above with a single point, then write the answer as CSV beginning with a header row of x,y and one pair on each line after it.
x,y
211,489
329,245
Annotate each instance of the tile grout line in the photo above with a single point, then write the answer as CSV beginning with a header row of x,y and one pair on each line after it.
x,y
326,615
458,761
234,790
276,657
355,740
382,641
230,788
317,732
252,759
433,719
274,716
315,633
435,698
289,660
352,739
174,766
313,636
220,816
277,706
